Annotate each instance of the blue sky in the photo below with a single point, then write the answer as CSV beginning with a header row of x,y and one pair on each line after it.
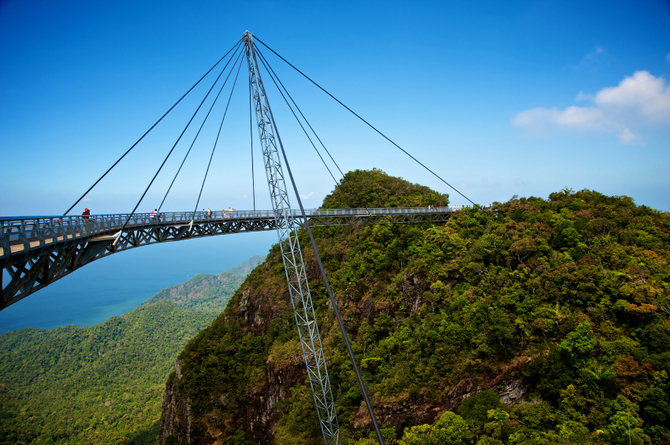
x,y
499,98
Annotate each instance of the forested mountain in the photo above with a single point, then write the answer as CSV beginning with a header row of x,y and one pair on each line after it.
x,y
205,292
530,322
104,384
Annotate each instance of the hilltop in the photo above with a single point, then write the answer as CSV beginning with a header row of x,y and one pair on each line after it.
x,y
532,321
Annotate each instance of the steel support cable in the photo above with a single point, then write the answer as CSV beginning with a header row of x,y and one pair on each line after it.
x,y
200,129
251,139
271,71
172,149
367,123
340,323
297,119
152,127
204,179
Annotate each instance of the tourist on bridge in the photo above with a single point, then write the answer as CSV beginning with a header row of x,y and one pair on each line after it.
x,y
153,212
86,213
208,213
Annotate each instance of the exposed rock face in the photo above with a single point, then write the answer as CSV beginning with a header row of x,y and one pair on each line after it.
x,y
176,412
505,382
259,419
255,310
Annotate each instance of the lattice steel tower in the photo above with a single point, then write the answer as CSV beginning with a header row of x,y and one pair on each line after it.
x,y
287,231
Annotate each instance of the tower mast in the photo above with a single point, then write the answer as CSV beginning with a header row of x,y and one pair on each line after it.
x,y
287,232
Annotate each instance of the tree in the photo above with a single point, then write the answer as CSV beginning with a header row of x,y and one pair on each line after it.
x,y
449,429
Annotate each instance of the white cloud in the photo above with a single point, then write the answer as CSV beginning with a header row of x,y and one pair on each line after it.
x,y
639,100
643,93
307,196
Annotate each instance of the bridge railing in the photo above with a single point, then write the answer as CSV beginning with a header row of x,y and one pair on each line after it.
x,y
28,233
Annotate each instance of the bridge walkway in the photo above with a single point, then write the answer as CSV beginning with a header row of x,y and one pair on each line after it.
x,y
36,251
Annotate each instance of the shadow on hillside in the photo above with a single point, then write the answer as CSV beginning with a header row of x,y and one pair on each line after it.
x,y
145,436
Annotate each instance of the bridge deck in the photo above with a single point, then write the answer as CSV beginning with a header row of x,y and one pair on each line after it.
x,y
21,234
36,251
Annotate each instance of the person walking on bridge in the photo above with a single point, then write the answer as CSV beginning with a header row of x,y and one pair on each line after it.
x,y
87,213
208,213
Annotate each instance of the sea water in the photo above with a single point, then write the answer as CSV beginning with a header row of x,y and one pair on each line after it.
x,y
119,283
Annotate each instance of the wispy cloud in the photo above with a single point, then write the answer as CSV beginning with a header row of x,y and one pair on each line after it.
x,y
307,196
639,100
596,58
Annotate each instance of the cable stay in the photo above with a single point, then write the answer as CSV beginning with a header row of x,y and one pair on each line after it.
x,y
173,147
218,134
251,143
235,46
277,82
299,123
274,76
199,130
367,123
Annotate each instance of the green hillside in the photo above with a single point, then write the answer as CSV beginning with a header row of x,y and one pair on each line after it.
x,y
103,384
531,322
205,292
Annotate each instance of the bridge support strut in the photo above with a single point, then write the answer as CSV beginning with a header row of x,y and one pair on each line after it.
x,y
287,232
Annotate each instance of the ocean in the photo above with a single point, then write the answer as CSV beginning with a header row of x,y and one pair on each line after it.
x,y
119,283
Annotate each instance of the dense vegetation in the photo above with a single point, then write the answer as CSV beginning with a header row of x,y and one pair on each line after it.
x,y
104,384
571,294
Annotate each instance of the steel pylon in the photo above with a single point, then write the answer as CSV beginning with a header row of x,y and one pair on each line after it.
x,y
287,232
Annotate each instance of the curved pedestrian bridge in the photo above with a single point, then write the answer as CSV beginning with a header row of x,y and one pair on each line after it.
x,y
36,251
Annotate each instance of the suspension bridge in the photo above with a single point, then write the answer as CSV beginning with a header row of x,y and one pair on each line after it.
x,y
37,251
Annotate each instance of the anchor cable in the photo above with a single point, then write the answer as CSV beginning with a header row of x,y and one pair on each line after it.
x,y
152,127
367,123
333,302
331,296
232,90
251,139
171,150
